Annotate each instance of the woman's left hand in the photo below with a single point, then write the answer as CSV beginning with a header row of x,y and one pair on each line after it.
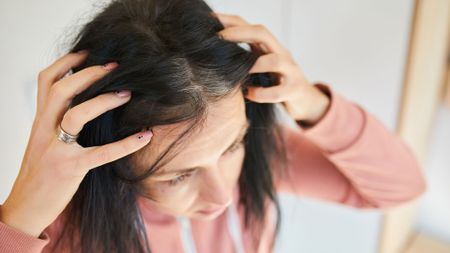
x,y
303,101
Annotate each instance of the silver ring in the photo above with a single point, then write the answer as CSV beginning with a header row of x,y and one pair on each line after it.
x,y
66,137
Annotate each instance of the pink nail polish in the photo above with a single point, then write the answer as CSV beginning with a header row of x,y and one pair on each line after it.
x,y
145,135
110,65
123,93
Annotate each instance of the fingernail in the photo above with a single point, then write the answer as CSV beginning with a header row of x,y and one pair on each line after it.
x,y
145,135
110,66
123,93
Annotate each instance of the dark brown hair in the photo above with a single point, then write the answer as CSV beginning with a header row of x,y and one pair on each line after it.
x,y
175,65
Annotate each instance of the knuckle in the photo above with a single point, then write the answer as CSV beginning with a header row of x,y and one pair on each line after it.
x,y
81,110
287,53
58,90
105,102
42,76
72,56
71,118
94,71
234,16
239,19
125,147
52,95
260,28
292,67
104,155
275,94
275,60
106,98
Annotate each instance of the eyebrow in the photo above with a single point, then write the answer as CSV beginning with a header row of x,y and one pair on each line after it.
x,y
240,136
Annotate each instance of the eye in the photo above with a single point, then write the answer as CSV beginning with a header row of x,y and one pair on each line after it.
x,y
236,146
179,179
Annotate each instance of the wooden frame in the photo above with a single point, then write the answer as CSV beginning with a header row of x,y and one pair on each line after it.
x,y
423,243
447,96
422,93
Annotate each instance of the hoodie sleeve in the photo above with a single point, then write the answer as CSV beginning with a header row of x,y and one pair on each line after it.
x,y
15,241
349,157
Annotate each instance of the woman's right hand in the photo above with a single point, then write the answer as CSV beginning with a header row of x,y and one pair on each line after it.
x,y
52,170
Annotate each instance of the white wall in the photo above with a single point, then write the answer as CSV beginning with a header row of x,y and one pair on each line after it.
x,y
434,212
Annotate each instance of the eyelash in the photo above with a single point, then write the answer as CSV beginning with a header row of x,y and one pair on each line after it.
x,y
178,179
181,178
236,146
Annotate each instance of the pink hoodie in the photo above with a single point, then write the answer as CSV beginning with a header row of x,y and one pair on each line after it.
x,y
348,157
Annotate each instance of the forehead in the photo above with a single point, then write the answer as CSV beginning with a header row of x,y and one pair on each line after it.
x,y
224,120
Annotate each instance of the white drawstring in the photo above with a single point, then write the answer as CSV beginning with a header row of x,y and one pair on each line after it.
x,y
233,227
186,235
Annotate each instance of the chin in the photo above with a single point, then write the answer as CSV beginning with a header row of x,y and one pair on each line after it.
x,y
204,217
200,215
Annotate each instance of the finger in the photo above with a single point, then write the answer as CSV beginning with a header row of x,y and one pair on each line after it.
x,y
253,34
56,71
273,94
99,155
230,20
272,63
234,20
75,118
64,90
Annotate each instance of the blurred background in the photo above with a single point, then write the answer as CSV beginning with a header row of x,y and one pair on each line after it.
x,y
391,57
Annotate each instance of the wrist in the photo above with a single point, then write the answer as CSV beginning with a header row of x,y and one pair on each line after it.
x,y
320,104
14,220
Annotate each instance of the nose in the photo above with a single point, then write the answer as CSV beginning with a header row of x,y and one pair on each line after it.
x,y
215,188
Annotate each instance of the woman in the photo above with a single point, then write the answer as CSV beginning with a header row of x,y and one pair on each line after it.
x,y
203,173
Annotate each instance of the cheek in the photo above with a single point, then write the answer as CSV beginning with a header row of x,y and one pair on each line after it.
x,y
231,166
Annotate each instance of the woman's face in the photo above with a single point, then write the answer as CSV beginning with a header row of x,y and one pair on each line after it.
x,y
199,181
